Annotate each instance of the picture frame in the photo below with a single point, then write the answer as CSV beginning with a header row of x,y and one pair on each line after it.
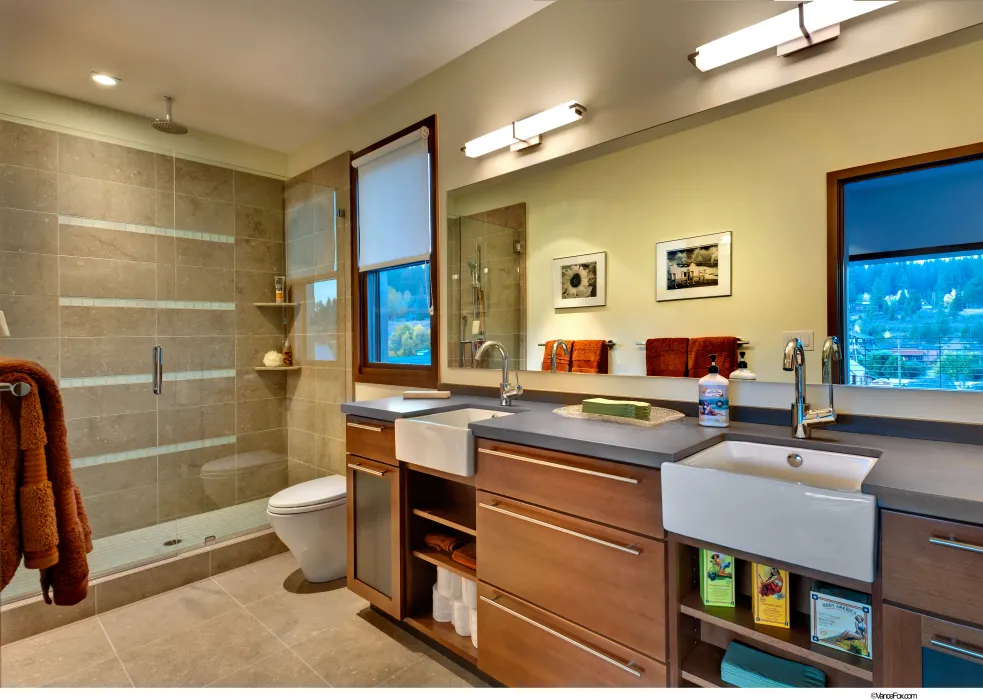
x,y
580,281
698,267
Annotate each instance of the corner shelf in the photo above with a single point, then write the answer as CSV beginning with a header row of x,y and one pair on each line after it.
x,y
277,304
277,369
444,633
459,519
442,560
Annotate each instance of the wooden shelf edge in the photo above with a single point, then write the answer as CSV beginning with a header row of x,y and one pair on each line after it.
x,y
442,560
443,517
776,637
702,666
444,634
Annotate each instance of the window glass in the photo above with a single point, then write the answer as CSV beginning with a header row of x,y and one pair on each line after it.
x,y
398,314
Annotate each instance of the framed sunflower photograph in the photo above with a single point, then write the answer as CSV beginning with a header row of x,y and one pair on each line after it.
x,y
580,280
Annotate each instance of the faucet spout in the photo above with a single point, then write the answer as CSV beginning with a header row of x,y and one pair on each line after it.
x,y
507,391
566,350
803,418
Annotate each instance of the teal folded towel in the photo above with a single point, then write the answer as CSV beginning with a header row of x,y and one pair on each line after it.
x,y
747,667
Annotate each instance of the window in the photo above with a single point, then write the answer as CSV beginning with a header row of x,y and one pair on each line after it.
x,y
908,250
394,236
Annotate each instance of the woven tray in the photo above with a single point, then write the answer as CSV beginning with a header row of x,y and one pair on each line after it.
x,y
658,417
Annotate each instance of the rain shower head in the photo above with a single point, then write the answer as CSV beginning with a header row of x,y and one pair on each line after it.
x,y
167,124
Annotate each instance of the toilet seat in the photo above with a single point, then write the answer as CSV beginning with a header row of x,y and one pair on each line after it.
x,y
317,494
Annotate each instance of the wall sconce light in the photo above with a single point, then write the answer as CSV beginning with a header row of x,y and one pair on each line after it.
x,y
525,132
809,24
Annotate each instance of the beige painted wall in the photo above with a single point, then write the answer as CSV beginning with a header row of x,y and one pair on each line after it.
x,y
762,175
48,111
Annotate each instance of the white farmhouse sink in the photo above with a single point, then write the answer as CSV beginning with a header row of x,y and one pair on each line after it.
x,y
747,496
442,440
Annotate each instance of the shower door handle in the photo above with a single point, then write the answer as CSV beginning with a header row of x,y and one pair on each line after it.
x,y
158,368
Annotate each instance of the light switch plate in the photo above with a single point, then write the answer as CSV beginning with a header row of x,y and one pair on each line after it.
x,y
805,336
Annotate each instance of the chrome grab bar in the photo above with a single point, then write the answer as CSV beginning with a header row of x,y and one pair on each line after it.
x,y
554,465
630,549
956,545
17,388
568,640
158,369
956,648
363,426
366,470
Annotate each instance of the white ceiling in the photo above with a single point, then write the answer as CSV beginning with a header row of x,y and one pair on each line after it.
x,y
276,73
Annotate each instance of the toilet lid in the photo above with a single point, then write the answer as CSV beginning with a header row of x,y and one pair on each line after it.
x,y
328,489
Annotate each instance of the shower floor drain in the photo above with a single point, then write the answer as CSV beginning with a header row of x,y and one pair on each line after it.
x,y
171,543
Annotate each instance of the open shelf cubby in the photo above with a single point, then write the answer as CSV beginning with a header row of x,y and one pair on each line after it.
x,y
700,634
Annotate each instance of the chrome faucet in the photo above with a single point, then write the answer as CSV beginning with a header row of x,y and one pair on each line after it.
x,y
507,390
803,418
566,350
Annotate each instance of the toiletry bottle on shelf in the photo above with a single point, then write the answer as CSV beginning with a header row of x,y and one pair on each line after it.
x,y
714,406
288,354
742,373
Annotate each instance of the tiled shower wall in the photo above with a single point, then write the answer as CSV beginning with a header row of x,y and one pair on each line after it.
x,y
107,250
318,278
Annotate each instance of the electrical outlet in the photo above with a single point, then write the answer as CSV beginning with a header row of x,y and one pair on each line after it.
x,y
805,336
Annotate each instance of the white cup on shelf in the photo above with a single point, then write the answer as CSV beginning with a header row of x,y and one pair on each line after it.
x,y
462,618
443,607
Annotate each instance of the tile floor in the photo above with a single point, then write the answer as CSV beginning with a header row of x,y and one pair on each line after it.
x,y
261,625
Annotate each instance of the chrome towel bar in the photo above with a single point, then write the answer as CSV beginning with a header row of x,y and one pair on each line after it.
x,y
17,388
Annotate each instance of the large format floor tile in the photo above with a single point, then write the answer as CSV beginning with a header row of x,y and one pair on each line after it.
x,y
46,657
282,670
108,674
264,578
294,617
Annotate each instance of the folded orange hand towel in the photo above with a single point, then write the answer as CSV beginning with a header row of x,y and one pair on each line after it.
x,y
700,349
590,356
467,556
666,357
562,361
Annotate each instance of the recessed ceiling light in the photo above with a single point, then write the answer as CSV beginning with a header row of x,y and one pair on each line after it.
x,y
103,79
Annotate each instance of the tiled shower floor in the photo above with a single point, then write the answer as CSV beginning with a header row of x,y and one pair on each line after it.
x,y
137,547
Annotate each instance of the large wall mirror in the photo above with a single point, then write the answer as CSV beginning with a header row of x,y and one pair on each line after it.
x,y
792,219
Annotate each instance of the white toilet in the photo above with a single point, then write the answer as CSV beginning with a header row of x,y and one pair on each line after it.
x,y
310,518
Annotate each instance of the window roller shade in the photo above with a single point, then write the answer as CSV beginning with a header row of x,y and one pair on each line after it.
x,y
394,217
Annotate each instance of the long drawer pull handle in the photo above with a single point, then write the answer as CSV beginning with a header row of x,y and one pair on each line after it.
x,y
565,638
957,545
588,472
958,649
363,426
630,549
366,470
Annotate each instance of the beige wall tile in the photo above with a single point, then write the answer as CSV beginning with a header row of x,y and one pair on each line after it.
x,y
195,283
107,321
164,206
165,250
196,423
174,322
121,432
299,221
44,351
330,455
100,357
83,402
299,472
28,231
26,620
301,447
330,420
188,463
27,146
262,414
88,242
30,317
254,286
164,172
261,481
29,274
301,414
259,255
204,253
116,476
26,188
197,392
92,277
105,161
253,222
271,443
122,511
97,199
302,384
187,353
252,385
258,320
187,496
258,191
331,385
205,215
297,191
334,173
301,253
250,349
133,586
35,661
241,552
202,180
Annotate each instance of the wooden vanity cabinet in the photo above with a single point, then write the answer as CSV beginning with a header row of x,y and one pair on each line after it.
x,y
921,651
375,527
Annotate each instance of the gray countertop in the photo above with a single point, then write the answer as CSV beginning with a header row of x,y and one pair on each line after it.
x,y
927,477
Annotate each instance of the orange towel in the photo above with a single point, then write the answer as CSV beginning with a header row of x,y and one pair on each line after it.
x,y
441,542
562,361
666,357
590,356
467,556
700,349
41,512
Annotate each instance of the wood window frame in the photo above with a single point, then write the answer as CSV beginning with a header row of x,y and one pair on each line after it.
x,y
835,237
384,373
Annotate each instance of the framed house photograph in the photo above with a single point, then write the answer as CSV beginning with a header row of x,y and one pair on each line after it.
x,y
693,268
580,280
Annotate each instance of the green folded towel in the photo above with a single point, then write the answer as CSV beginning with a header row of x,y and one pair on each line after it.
x,y
638,410
747,667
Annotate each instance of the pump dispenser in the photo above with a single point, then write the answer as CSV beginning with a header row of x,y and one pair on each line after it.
x,y
714,404
742,373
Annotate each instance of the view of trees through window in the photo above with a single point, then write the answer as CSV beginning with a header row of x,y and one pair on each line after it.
x,y
916,322
402,320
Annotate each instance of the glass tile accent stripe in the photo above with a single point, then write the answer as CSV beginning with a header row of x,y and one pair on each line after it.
x,y
140,228
81,462
117,379
148,303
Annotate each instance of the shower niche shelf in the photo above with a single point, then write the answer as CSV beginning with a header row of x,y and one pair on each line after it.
x,y
276,369
277,304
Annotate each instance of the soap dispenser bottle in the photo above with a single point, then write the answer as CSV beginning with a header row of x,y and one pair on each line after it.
x,y
714,405
742,373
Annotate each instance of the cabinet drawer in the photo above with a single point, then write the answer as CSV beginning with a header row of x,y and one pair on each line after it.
x,y
608,492
372,439
610,581
932,565
526,647
923,651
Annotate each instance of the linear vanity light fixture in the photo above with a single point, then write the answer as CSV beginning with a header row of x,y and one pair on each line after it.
x,y
525,132
810,23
